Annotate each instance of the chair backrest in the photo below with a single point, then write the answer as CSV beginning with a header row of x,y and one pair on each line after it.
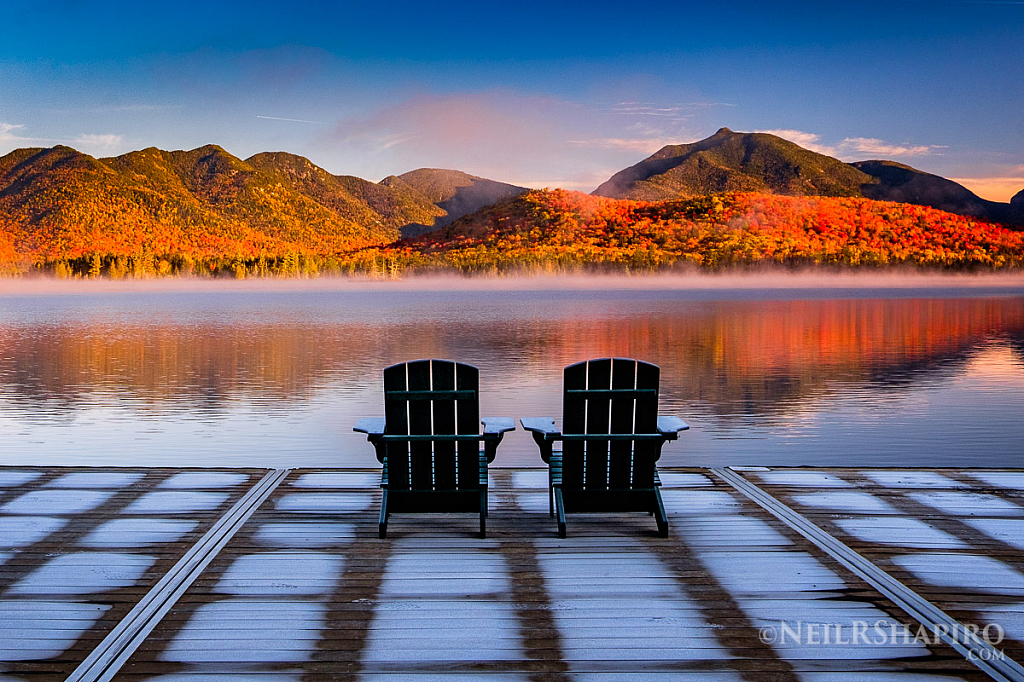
x,y
436,398
610,397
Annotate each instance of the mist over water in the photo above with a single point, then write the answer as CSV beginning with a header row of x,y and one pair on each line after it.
x,y
767,370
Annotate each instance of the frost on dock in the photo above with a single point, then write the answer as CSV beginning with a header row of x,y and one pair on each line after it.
x,y
305,590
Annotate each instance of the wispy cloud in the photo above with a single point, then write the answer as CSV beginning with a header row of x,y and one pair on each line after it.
x,y
871,145
471,129
657,109
105,141
643,145
14,133
806,140
11,135
291,120
113,109
510,136
852,147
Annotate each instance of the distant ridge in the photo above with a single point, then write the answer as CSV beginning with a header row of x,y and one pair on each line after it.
x,y
734,198
454,192
60,204
548,230
760,162
728,162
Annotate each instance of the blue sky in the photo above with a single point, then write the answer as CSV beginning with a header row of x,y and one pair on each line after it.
x,y
535,93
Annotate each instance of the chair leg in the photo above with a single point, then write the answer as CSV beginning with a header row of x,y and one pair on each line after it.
x,y
551,495
560,509
659,514
382,527
483,513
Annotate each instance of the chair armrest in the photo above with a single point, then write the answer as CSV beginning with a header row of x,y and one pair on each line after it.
x,y
540,426
671,425
498,425
373,426
544,434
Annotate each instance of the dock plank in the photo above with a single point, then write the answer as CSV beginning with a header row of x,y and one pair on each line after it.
x,y
306,591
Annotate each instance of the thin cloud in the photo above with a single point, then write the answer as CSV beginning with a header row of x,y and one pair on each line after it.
x,y
644,145
101,141
384,142
470,129
646,110
291,120
11,133
113,109
509,136
87,142
804,139
6,130
873,145
852,147
655,109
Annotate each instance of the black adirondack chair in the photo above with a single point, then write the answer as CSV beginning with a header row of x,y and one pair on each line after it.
x,y
429,440
611,440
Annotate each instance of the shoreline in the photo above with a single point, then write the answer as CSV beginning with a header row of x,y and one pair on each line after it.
x,y
809,280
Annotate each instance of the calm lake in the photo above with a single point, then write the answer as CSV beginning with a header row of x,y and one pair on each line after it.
x,y
918,374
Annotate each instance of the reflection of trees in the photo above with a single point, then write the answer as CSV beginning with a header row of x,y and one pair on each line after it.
x,y
734,357
763,357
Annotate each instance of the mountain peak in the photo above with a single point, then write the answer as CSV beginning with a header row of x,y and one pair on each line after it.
x,y
455,192
761,162
207,149
734,162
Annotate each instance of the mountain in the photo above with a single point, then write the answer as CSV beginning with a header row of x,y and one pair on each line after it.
x,y
1017,208
559,230
760,162
454,192
898,182
58,204
63,204
727,162
361,201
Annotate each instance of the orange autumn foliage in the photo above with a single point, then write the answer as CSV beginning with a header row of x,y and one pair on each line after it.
x,y
560,227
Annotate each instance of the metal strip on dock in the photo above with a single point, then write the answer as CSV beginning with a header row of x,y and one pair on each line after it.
x,y
974,648
118,646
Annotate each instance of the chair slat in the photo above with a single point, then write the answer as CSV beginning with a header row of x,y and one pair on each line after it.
x,y
613,392
645,453
467,420
396,422
599,376
620,458
434,394
420,453
444,422
574,420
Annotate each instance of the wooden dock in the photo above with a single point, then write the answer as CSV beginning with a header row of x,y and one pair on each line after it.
x,y
249,574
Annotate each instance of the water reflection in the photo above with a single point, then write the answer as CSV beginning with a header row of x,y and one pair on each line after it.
x,y
279,379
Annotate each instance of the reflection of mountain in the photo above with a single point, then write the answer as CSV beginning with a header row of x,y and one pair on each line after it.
x,y
735,357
